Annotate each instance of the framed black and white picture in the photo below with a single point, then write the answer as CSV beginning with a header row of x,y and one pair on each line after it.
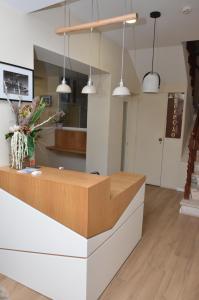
x,y
47,99
16,81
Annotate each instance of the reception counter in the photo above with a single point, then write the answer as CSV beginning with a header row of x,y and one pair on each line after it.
x,y
65,234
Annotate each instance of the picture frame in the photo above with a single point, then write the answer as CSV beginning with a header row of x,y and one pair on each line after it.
x,y
18,81
47,99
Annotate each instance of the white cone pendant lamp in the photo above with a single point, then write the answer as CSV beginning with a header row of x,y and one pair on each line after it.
x,y
90,88
151,80
121,90
64,88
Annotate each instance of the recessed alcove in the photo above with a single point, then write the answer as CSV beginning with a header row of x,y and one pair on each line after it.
x,y
73,126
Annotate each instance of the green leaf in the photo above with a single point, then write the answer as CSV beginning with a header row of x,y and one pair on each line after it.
x,y
37,114
8,135
31,146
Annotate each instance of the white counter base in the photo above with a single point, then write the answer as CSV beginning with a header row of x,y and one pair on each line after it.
x,y
57,262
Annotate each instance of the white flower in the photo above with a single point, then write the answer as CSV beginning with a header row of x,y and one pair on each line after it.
x,y
14,128
19,149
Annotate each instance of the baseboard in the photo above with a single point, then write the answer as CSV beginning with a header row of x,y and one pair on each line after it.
x,y
179,189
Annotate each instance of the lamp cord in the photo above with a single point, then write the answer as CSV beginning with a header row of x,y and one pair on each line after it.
x,y
64,68
91,42
69,24
123,40
91,38
154,38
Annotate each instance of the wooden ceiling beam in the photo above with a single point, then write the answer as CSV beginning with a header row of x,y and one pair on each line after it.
x,y
97,24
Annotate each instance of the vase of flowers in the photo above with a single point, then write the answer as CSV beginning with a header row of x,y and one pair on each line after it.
x,y
24,133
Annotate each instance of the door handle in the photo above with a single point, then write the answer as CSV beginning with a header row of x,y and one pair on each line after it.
x,y
160,140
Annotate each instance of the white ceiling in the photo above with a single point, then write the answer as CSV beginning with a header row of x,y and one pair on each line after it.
x,y
173,27
28,6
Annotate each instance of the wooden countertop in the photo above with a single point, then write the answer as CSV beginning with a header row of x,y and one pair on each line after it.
x,y
120,182
86,203
61,176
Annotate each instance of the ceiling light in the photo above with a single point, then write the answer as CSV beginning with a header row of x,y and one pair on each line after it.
x,y
132,21
89,88
186,10
121,90
132,18
64,87
151,80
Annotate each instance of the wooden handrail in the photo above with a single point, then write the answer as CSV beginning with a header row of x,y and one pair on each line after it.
x,y
193,148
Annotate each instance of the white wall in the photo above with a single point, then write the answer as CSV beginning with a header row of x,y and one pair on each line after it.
x,y
105,112
6,121
97,125
170,64
18,37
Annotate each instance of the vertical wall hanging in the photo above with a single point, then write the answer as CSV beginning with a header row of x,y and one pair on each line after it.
x,y
174,115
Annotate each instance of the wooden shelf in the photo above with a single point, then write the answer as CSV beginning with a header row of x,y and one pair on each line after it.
x,y
72,151
67,141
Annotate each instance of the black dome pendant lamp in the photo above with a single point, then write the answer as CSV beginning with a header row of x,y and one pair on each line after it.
x,y
151,80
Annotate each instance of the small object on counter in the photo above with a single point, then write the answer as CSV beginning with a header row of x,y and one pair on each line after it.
x,y
36,173
95,173
28,170
61,168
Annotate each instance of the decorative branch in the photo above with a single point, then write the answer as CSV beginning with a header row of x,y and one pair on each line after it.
x,y
57,115
7,97
20,97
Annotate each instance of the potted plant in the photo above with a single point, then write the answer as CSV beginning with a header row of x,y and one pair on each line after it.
x,y
24,133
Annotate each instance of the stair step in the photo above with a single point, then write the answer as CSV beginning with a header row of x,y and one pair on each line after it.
x,y
190,203
194,192
196,167
195,178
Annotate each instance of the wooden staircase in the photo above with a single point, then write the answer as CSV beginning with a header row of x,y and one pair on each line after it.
x,y
193,59
190,203
193,163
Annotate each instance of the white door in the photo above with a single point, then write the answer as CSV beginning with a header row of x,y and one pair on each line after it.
x,y
150,136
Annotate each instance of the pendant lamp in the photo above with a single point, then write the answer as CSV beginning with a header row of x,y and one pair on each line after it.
x,y
89,88
121,90
64,88
151,80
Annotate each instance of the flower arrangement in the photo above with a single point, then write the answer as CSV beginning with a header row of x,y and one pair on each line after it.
x,y
24,133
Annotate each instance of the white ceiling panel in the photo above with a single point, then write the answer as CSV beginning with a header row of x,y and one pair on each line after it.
x,y
173,27
28,6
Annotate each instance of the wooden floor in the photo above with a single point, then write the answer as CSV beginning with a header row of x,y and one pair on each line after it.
x,y
165,264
